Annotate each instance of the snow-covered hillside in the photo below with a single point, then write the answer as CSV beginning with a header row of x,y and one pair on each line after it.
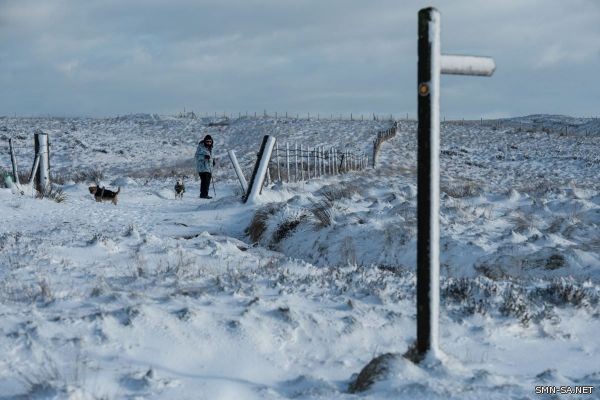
x,y
290,298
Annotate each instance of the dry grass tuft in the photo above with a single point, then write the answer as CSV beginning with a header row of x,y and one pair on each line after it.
x,y
258,225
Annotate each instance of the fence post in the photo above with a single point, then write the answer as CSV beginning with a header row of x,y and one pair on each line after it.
x,y
277,159
42,177
261,169
345,161
34,168
295,162
335,164
308,163
287,160
301,162
238,171
13,160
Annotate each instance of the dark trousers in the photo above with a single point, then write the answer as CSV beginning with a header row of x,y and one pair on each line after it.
x,y
204,183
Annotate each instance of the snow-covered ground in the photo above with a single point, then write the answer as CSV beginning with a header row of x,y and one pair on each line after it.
x,y
290,298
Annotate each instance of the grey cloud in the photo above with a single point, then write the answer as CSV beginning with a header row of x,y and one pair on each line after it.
x,y
107,57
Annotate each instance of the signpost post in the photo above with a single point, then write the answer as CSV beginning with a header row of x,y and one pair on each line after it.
x,y
431,64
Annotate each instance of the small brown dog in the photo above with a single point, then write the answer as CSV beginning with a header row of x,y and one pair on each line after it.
x,y
103,194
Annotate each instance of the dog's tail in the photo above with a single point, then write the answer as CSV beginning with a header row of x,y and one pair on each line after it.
x,y
118,190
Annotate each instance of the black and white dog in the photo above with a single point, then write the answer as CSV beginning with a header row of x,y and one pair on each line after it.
x,y
179,189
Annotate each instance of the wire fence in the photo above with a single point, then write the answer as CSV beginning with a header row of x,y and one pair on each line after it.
x,y
382,136
299,163
288,115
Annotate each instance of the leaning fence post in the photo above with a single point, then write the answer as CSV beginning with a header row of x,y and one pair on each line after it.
x,y
238,170
13,160
36,164
431,63
260,169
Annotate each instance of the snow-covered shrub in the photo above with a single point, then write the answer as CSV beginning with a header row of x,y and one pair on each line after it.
x,y
562,292
322,212
287,226
53,193
258,224
460,190
343,190
514,304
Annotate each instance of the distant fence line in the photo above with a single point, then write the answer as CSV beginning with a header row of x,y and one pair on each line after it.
x,y
491,123
297,116
382,136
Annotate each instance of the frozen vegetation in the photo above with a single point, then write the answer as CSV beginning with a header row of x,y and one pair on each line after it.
x,y
290,298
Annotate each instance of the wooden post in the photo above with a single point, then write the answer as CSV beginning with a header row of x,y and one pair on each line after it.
x,y
322,159
431,63
308,163
317,169
42,177
277,158
301,162
335,164
287,160
295,162
261,169
34,168
238,171
346,161
13,160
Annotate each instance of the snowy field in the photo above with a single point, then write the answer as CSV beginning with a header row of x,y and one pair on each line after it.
x,y
158,298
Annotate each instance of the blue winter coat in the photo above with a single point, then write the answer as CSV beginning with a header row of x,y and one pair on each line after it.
x,y
202,164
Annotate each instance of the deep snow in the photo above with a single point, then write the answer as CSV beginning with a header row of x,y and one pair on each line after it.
x,y
159,298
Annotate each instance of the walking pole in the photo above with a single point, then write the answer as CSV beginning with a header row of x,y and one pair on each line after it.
x,y
213,181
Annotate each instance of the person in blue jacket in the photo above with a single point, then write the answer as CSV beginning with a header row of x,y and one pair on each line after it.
x,y
204,165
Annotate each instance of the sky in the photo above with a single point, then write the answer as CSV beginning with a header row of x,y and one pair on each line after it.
x,y
114,57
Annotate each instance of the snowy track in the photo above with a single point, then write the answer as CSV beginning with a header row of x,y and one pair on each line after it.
x,y
159,298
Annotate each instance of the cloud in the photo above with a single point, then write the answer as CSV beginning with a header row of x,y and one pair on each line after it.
x,y
302,55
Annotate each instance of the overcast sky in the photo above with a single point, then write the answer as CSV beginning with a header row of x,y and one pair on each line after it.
x,y
109,57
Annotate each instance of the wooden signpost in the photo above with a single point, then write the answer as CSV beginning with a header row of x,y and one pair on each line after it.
x,y
431,64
